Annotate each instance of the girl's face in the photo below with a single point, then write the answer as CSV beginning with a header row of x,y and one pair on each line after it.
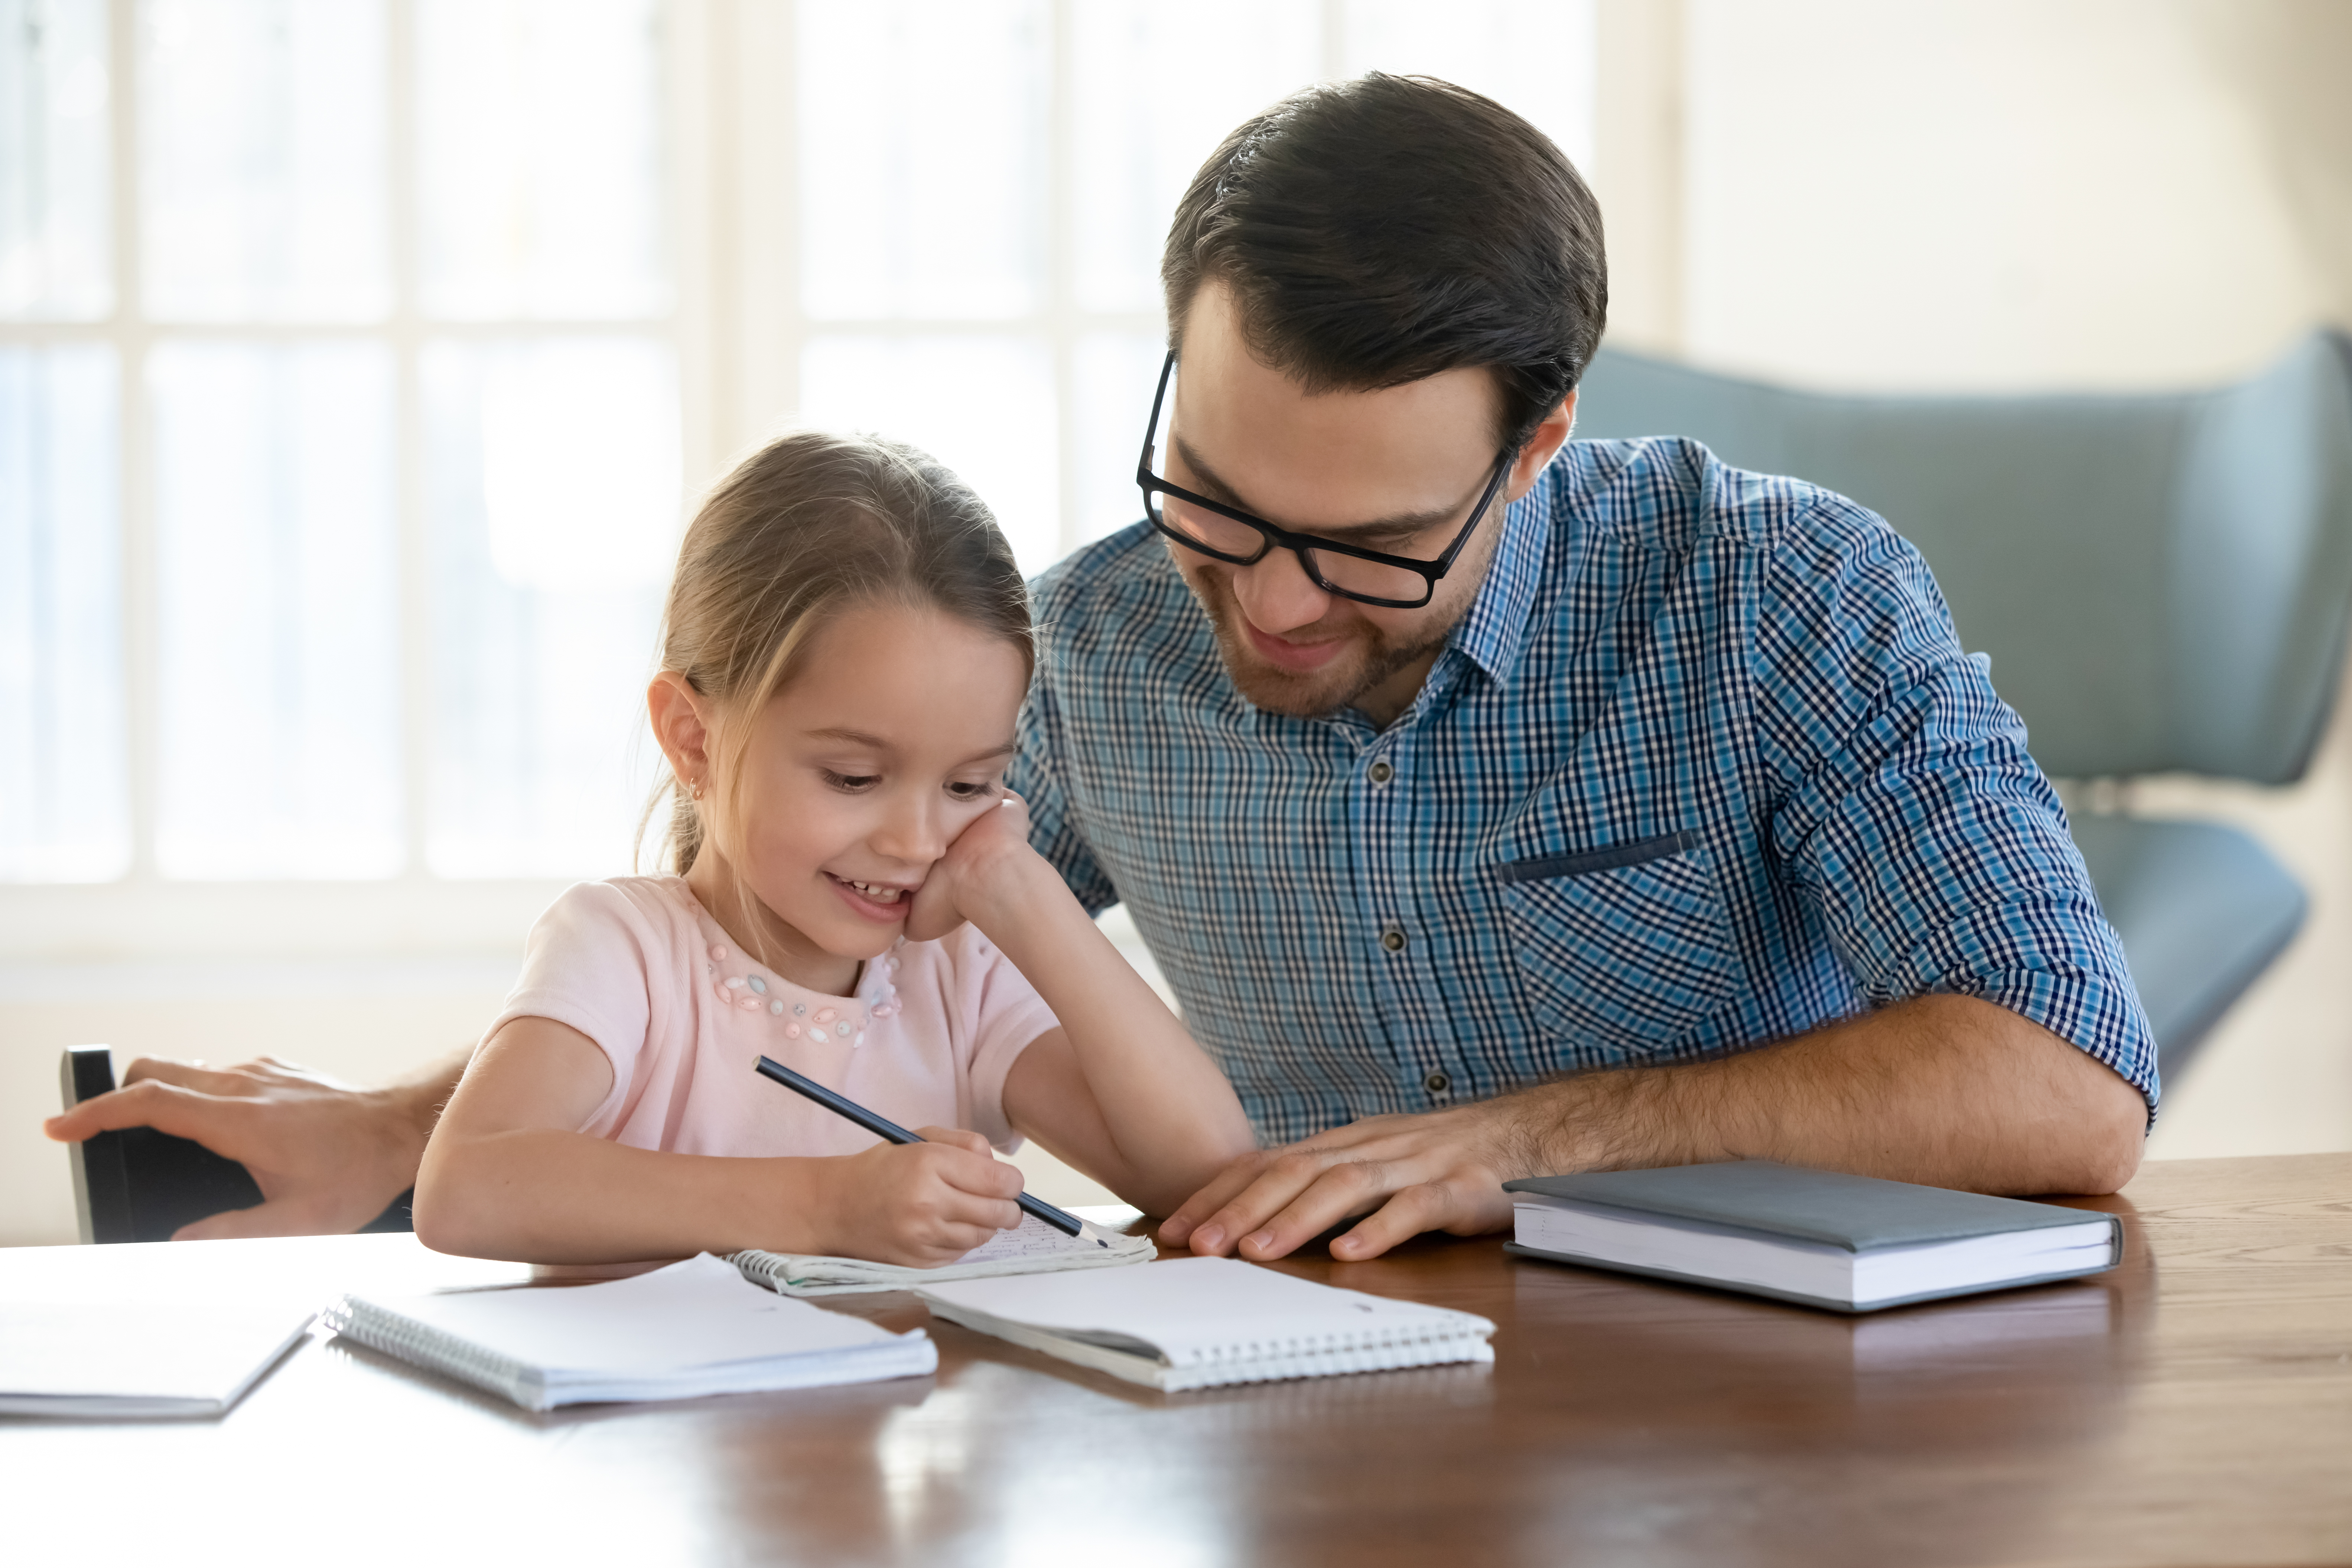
x,y
891,741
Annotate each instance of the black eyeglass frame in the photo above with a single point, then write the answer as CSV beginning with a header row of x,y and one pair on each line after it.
x,y
1300,545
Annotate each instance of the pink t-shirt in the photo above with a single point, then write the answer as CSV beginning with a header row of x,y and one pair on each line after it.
x,y
637,967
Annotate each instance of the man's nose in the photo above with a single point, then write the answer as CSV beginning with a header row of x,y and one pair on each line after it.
x,y
1277,596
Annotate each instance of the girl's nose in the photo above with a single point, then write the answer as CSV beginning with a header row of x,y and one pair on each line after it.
x,y
912,830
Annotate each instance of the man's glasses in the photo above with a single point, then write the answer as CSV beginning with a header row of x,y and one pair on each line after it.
x,y
1222,534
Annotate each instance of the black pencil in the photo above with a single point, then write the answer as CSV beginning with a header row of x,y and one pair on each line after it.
x,y
883,1127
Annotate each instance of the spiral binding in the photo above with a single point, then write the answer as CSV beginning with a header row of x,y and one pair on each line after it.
x,y
438,1351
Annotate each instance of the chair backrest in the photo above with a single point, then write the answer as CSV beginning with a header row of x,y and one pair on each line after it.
x,y
2163,582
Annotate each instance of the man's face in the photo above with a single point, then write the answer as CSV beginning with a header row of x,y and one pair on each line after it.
x,y
1396,470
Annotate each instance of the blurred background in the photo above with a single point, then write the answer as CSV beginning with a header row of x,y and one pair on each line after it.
x,y
359,360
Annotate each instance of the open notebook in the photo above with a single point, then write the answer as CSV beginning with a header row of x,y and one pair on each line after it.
x,y
692,1329
1198,1322
1032,1248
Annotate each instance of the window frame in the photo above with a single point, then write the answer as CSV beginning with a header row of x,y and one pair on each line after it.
x,y
145,915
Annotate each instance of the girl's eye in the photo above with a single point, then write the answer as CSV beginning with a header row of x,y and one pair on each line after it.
x,y
850,782
972,791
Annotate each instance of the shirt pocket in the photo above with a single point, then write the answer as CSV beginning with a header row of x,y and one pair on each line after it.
x,y
1626,946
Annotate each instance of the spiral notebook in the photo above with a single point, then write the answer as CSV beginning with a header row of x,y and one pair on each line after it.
x,y
1031,1248
695,1328
1200,1322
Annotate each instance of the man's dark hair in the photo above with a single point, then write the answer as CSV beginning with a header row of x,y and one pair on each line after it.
x,y
1376,231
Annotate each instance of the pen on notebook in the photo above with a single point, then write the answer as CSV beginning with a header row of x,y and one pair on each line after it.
x,y
883,1127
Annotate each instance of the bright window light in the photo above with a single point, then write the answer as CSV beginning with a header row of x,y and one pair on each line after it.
x,y
339,490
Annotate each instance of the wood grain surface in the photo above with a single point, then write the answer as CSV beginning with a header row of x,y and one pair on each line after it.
x,y
2194,1407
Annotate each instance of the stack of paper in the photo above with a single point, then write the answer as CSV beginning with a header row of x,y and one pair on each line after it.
x,y
157,1356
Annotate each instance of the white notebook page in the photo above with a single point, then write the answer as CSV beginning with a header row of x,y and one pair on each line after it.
x,y
1033,1237
1193,1309
149,1356
701,1312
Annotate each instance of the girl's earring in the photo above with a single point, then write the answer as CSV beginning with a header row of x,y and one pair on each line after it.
x,y
695,789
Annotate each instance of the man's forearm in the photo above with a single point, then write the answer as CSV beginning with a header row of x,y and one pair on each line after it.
x,y
1944,1090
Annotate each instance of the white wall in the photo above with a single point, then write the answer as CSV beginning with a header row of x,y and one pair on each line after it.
x,y
2022,195
1999,193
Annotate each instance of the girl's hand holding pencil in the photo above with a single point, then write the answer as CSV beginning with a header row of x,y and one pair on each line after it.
x,y
918,1204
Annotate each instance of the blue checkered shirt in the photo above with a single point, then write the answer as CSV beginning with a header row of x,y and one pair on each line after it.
x,y
1704,766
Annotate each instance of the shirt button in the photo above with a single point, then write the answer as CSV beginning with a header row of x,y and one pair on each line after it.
x,y
1380,772
1392,938
1437,1083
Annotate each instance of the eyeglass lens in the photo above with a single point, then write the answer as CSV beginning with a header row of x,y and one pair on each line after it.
x,y
1237,540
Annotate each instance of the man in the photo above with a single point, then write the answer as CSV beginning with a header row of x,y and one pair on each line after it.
x,y
1497,805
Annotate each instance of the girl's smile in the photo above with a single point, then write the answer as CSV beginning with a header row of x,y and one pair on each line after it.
x,y
879,901
829,808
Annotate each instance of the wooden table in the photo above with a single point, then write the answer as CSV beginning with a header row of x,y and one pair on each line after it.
x,y
2193,1407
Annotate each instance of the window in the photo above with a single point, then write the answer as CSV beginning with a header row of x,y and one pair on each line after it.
x,y
355,356
983,190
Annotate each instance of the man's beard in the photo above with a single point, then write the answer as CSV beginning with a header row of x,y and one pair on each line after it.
x,y
1370,659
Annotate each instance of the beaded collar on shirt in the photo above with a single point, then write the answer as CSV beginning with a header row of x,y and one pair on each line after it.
x,y
794,1011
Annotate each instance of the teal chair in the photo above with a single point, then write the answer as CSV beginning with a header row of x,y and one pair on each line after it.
x,y
2163,582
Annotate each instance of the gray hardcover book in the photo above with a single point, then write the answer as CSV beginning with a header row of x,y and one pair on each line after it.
x,y
1851,1244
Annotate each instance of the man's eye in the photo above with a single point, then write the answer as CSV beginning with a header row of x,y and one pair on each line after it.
x,y
850,781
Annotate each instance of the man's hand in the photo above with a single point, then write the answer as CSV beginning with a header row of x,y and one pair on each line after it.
x,y
1439,1170
327,1157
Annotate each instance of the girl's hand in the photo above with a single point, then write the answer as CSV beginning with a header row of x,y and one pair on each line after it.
x,y
978,860
918,1205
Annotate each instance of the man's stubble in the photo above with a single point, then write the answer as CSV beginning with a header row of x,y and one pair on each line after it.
x,y
1372,660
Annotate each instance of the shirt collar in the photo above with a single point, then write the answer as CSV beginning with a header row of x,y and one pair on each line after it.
x,y
1492,634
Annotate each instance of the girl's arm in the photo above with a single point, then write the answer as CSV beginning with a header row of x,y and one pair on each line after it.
x,y
1120,1091
505,1176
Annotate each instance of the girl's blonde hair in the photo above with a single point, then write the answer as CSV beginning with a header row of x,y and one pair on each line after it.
x,y
813,525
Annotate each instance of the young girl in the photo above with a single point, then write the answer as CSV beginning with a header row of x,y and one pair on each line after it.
x,y
845,651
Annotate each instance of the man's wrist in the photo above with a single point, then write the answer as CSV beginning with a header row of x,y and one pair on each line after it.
x,y
1545,1129
413,1109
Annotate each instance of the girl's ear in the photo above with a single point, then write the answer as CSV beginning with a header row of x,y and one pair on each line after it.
x,y
677,711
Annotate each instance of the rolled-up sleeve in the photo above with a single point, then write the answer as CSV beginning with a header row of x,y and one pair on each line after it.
x,y
1909,815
